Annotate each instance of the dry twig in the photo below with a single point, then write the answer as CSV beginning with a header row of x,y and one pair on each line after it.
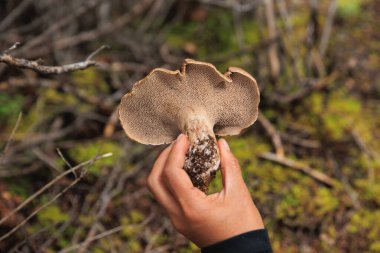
x,y
36,66
42,207
317,175
52,182
273,134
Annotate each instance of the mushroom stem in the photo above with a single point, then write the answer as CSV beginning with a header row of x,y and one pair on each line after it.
x,y
202,159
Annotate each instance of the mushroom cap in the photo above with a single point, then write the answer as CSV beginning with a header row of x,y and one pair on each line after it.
x,y
158,107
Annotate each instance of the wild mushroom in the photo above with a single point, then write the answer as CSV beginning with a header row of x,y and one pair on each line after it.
x,y
198,101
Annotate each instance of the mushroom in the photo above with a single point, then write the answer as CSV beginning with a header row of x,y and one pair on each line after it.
x,y
198,101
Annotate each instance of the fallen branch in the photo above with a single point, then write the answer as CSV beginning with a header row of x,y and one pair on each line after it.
x,y
36,66
317,175
22,223
272,133
51,183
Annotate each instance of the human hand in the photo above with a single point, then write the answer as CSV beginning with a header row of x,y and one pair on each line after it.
x,y
204,219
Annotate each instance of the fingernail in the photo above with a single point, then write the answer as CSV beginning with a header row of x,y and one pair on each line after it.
x,y
179,137
225,144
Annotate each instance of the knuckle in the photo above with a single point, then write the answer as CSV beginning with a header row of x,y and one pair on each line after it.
x,y
150,181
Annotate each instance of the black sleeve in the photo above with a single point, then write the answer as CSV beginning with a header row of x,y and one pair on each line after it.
x,y
256,241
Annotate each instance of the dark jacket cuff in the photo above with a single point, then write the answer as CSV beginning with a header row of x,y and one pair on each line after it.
x,y
256,241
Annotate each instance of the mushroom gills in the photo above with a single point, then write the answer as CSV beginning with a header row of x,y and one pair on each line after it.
x,y
202,159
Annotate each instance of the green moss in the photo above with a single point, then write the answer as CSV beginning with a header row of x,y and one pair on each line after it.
x,y
341,113
370,191
208,37
136,216
90,81
246,148
251,31
316,103
53,96
90,150
216,185
189,248
21,187
325,202
97,250
10,105
130,223
366,222
375,247
349,8
134,246
337,113
130,231
86,220
178,34
63,243
51,214
290,206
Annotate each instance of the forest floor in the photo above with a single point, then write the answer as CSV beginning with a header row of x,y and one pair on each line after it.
x,y
311,161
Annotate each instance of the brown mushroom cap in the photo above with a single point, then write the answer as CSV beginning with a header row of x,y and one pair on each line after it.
x,y
158,107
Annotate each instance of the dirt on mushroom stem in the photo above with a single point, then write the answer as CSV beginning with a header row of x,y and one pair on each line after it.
x,y
202,159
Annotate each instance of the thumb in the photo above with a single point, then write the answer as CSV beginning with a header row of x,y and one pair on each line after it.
x,y
231,172
176,177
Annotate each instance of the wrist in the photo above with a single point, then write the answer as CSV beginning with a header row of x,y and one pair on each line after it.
x,y
255,241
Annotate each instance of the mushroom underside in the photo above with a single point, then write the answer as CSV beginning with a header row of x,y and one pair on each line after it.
x,y
196,101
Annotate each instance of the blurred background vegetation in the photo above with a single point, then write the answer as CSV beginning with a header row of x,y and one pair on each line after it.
x,y
311,161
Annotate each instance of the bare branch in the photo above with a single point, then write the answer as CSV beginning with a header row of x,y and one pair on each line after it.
x,y
272,133
13,47
317,175
42,207
52,182
36,66
92,55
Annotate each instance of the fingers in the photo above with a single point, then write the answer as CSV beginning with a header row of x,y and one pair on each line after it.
x,y
156,185
231,172
178,181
